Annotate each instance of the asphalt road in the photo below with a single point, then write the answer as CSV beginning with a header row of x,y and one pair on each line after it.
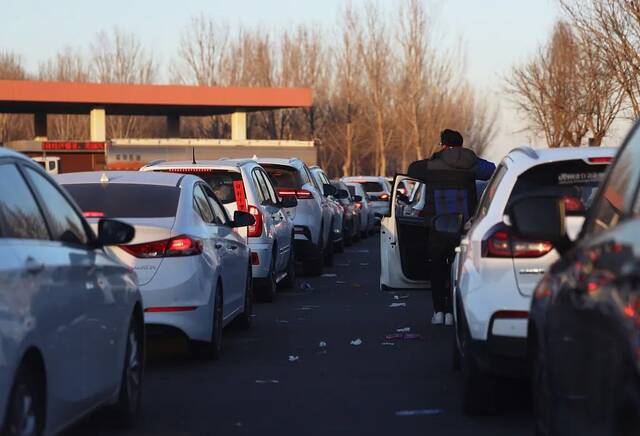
x,y
339,389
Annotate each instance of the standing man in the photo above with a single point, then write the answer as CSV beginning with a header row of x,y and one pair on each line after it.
x,y
445,175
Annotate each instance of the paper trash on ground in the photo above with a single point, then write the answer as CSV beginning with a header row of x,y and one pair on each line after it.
x,y
267,381
398,305
293,358
329,275
356,342
322,344
404,330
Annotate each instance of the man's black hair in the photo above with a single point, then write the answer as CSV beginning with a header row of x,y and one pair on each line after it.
x,y
451,138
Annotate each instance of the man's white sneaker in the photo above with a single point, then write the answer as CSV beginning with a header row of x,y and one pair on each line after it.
x,y
437,318
448,319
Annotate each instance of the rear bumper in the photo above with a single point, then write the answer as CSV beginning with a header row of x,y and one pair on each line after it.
x,y
264,252
500,355
194,324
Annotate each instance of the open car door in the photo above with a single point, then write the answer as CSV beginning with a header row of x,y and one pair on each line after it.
x,y
404,238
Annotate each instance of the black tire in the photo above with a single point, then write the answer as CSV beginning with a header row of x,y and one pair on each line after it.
x,y
455,355
127,409
245,320
290,280
478,391
542,400
25,411
212,349
269,286
328,252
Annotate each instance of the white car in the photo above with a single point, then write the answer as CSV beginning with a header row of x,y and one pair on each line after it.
x,y
312,215
494,272
367,214
242,184
193,266
378,193
337,211
71,320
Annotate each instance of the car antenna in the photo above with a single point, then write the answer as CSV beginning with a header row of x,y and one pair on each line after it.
x,y
193,155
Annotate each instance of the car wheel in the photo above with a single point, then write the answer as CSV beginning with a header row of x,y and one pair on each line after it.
x,y
127,408
542,399
25,412
213,349
328,252
478,391
455,355
314,265
290,280
269,285
245,320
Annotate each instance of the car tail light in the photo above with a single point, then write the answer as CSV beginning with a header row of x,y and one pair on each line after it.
x,y
170,309
511,314
93,214
255,260
179,246
501,243
600,160
300,194
384,197
573,204
255,230
241,197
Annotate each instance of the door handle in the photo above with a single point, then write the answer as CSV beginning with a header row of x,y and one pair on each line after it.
x,y
217,245
33,266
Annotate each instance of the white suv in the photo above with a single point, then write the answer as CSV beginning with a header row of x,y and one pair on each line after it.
x,y
378,193
312,215
495,271
242,184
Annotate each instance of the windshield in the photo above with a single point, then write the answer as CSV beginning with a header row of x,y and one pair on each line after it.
x,y
125,200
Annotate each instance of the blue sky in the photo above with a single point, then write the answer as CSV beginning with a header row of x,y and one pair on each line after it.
x,y
494,33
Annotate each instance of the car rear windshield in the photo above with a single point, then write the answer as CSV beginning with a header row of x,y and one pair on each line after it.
x,y
125,200
372,187
221,181
576,180
284,176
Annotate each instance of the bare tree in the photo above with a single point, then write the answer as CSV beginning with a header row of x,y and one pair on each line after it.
x,y
13,126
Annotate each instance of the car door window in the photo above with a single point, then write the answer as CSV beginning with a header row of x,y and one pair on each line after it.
x,y
219,212
262,190
271,192
66,225
618,190
20,216
202,205
490,192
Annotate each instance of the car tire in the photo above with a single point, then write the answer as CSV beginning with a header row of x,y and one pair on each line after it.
x,y
478,389
127,409
542,400
268,286
328,252
245,320
290,280
26,405
314,265
212,349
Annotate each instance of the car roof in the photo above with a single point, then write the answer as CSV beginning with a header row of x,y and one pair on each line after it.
x,y
529,156
131,177
364,178
204,164
279,161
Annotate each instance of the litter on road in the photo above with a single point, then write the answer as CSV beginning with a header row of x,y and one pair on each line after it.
x,y
398,305
419,412
356,342
293,358
404,330
387,344
306,286
267,381
322,344
402,336
400,297
328,275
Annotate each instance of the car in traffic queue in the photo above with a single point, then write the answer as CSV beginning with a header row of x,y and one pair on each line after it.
x,y
312,215
351,222
337,218
495,271
193,266
378,193
583,332
243,185
72,336
367,214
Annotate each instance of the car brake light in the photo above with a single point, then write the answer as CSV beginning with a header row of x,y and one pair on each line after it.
x,y
300,194
384,197
255,230
241,197
603,159
170,309
93,214
178,246
255,260
502,243
573,204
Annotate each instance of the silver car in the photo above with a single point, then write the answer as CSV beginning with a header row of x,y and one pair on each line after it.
x,y
71,320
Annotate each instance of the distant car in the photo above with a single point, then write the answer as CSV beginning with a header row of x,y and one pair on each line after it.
x,y
495,271
193,266
351,214
312,215
242,184
338,212
378,193
71,320
583,334
367,214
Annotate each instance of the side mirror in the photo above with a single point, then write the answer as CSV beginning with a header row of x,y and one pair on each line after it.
x,y
288,201
341,194
329,189
448,223
242,219
539,218
357,198
114,232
